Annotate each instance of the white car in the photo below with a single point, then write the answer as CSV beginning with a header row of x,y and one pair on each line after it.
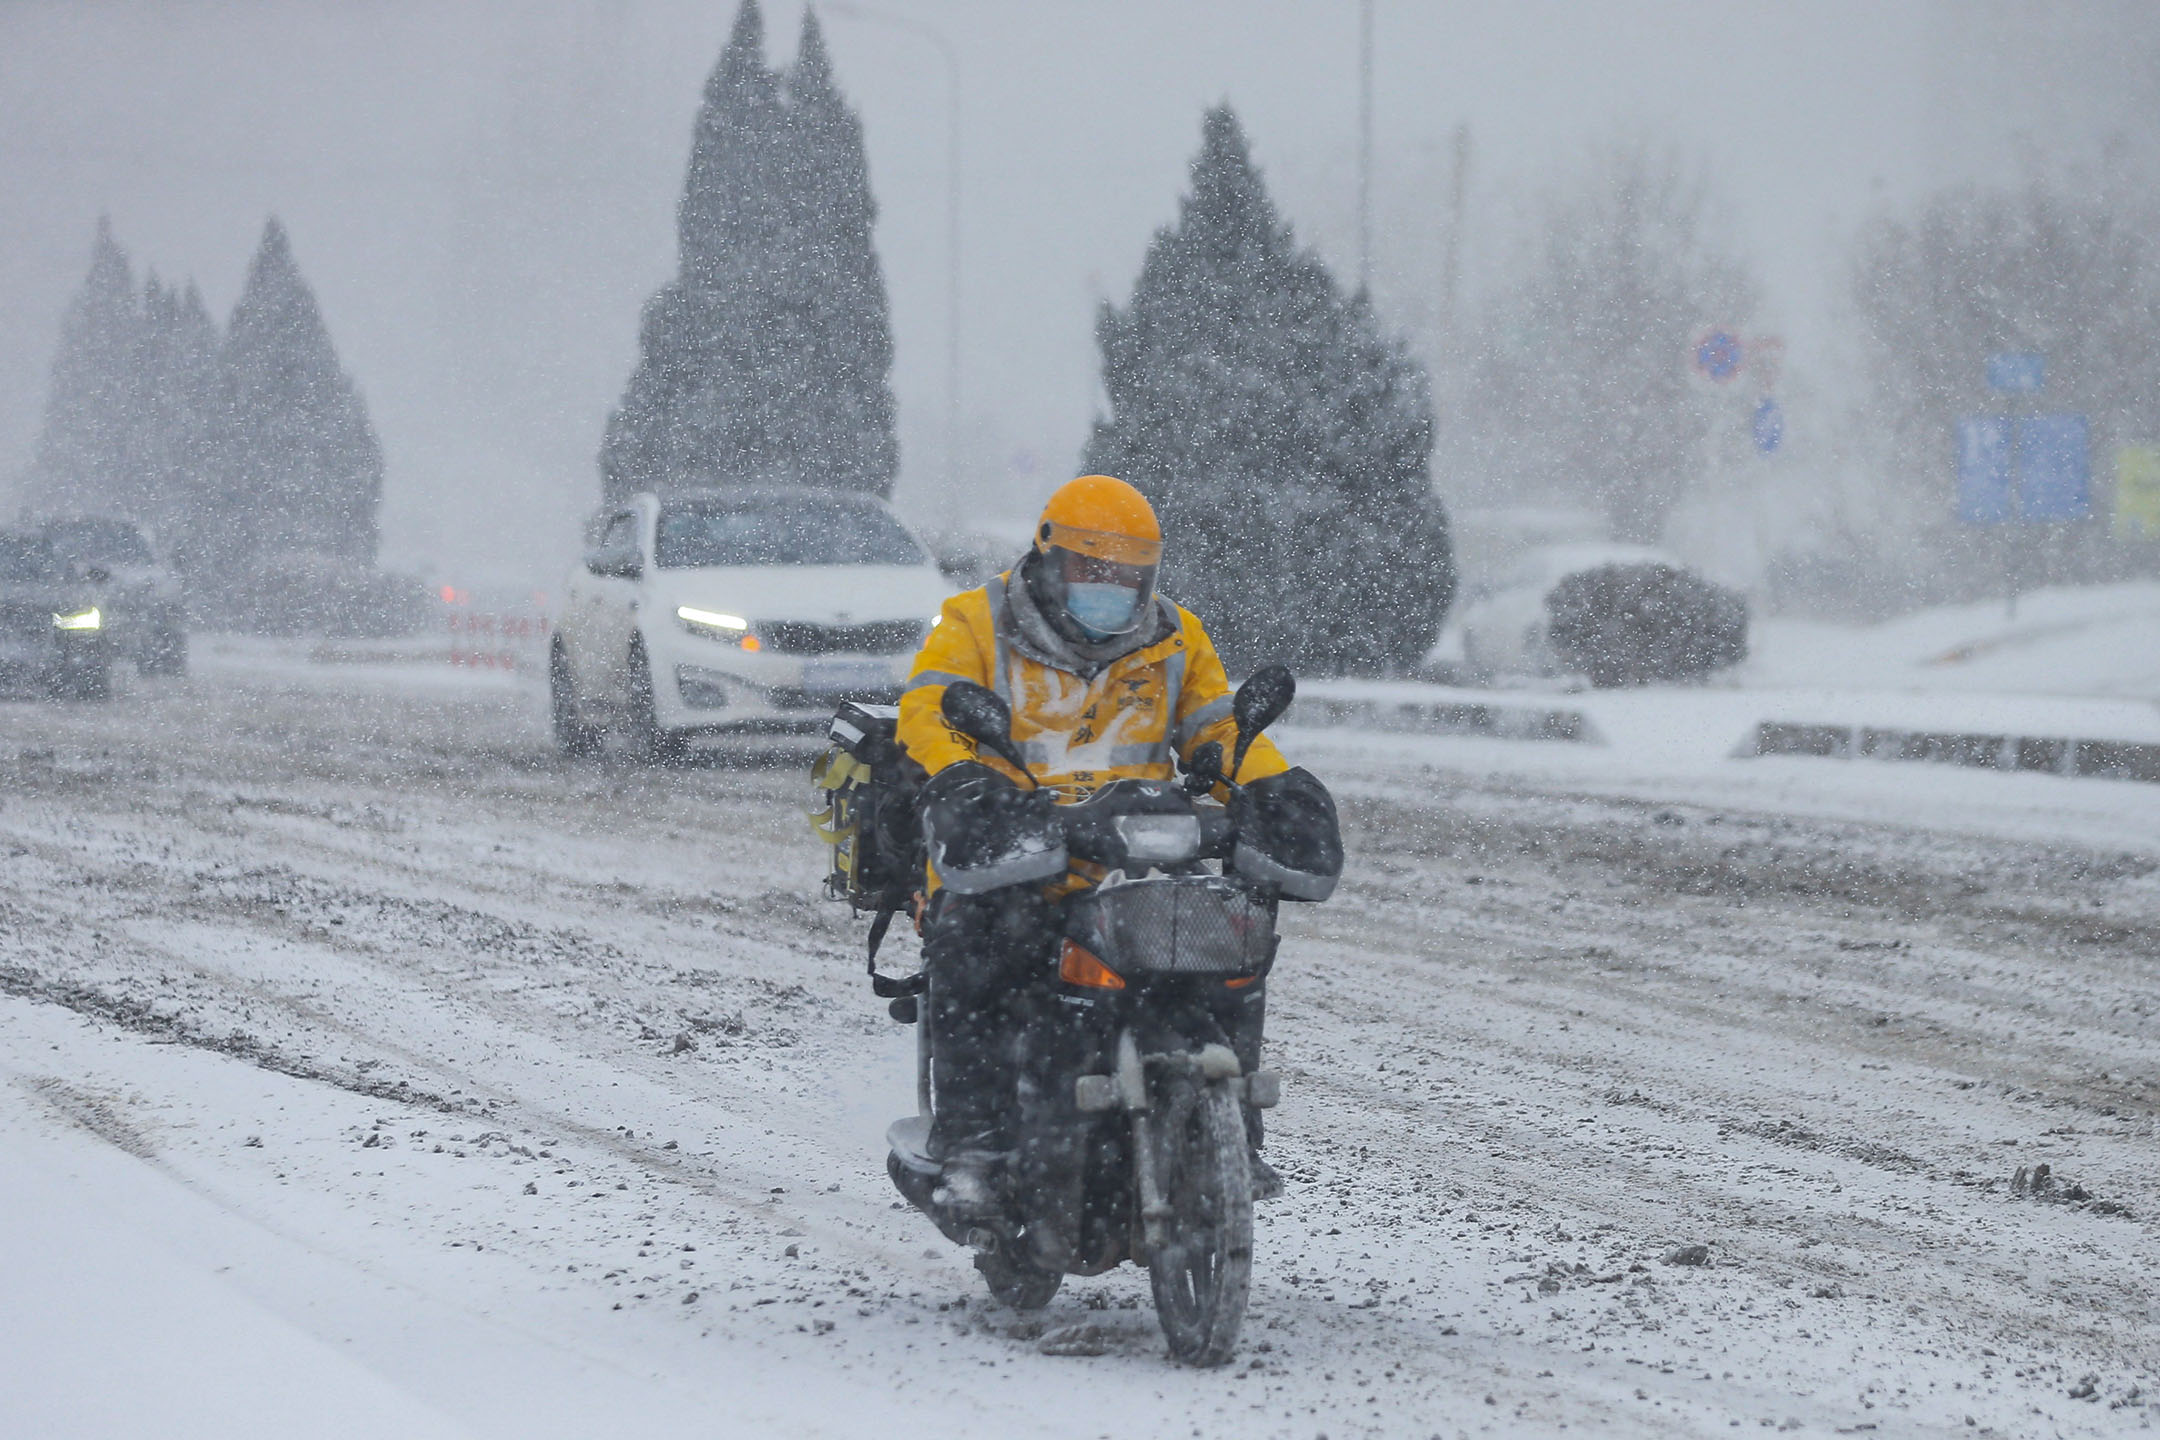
x,y
740,610
1504,629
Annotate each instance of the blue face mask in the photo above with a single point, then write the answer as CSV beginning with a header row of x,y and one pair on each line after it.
x,y
1101,611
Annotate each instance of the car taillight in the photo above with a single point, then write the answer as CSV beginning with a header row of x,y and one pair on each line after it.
x,y
1077,966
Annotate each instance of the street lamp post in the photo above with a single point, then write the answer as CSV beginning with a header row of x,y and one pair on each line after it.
x,y
1364,195
849,10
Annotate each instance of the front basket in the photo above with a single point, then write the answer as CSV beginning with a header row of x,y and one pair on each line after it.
x,y
1176,925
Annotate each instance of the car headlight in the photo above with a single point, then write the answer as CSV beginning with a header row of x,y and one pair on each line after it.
x,y
90,619
717,625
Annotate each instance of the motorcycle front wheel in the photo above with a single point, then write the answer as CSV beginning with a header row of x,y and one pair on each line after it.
x,y
1202,1270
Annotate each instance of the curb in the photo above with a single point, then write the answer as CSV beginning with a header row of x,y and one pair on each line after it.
x,y
2047,755
1430,717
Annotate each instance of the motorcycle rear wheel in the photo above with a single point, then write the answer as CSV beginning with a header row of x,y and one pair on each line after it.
x,y
1202,1270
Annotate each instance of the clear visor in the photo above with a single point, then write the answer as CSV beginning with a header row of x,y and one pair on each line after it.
x,y
1078,569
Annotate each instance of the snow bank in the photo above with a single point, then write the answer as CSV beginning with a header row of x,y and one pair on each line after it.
x,y
2100,640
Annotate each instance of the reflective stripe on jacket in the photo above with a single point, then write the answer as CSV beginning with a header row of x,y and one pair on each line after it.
x,y
1077,731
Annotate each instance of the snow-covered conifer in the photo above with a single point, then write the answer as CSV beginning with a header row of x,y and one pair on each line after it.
x,y
767,359
1282,437
845,431
184,397
299,468
89,456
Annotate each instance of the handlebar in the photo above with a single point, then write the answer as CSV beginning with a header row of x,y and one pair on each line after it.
x,y
1151,821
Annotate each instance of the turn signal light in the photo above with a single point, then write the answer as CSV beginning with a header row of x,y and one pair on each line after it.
x,y
1078,967
1239,982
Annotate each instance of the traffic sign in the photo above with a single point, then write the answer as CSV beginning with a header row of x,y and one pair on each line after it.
x,y
1769,426
2054,468
1717,355
2017,372
2035,468
2137,493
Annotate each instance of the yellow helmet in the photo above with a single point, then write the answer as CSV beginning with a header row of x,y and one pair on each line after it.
x,y
1100,544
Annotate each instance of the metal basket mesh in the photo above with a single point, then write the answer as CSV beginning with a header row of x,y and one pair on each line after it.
x,y
1179,925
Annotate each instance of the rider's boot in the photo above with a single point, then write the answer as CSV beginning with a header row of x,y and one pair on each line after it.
x,y
1266,1182
1246,1027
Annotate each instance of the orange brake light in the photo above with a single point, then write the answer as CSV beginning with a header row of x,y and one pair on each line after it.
x,y
1077,967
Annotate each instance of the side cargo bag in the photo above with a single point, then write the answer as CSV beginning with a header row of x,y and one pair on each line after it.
x,y
864,808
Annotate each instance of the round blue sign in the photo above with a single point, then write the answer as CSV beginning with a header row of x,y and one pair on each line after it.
x,y
1719,355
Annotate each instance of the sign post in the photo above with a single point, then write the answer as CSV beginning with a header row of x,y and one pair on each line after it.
x,y
2014,374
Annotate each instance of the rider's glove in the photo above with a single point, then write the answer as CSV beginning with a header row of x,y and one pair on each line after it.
x,y
1288,835
984,832
966,782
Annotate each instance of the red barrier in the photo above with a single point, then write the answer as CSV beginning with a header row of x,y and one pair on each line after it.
x,y
497,642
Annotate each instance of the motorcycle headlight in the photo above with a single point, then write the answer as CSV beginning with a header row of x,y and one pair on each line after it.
x,y
716,625
90,619
1159,839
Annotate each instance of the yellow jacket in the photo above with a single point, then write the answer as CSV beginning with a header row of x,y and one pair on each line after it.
x,y
1080,722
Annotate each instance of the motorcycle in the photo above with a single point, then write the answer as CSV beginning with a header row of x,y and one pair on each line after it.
x,y
1137,1040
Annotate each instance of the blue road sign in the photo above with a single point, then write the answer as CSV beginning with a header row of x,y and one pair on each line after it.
x,y
2054,468
1983,469
2049,457
1719,355
1769,426
2017,372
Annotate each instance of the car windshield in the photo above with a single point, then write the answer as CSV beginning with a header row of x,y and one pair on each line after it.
x,y
807,529
99,542
25,557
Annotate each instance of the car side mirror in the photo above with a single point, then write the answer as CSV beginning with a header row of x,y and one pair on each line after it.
x,y
1259,703
979,713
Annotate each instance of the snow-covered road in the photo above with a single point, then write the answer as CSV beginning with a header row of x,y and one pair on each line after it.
x,y
362,1054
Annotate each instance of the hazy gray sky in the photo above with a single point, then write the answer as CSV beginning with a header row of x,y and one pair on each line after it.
x,y
483,194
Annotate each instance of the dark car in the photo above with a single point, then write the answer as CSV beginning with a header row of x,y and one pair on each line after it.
x,y
52,631
137,591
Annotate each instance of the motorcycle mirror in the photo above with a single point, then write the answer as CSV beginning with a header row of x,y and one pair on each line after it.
x,y
979,713
1259,703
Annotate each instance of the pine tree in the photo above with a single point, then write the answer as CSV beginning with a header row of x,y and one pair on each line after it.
x,y
1283,439
768,358
184,384
90,454
845,427
299,466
